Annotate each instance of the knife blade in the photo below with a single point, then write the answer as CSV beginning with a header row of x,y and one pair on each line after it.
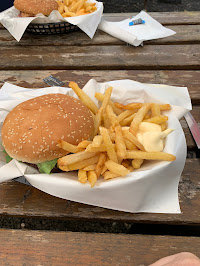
x,y
193,126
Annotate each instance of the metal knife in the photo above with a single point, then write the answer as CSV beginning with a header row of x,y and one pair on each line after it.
x,y
193,126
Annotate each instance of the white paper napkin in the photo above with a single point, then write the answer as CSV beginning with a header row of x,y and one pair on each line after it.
x,y
135,35
153,188
17,25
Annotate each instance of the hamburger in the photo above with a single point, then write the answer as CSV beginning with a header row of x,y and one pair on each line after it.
x,y
31,131
30,8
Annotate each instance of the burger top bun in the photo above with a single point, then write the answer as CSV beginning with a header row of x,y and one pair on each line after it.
x,y
36,6
31,131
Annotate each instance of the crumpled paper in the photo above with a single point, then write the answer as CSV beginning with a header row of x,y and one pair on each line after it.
x,y
153,188
136,35
17,25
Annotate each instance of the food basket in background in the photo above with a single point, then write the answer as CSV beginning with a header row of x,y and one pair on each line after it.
x,y
51,28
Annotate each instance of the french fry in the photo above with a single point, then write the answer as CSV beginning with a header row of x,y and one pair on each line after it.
x,y
116,168
127,121
63,168
99,96
128,135
106,121
147,116
150,155
65,9
165,107
91,167
97,121
92,178
130,168
131,106
83,144
163,126
112,116
74,7
68,147
84,163
104,169
61,8
126,163
101,148
125,114
86,100
109,146
80,7
74,158
106,98
97,141
81,12
120,144
136,163
111,134
101,111
155,109
68,14
109,175
100,164
129,145
157,119
138,118
82,176
69,8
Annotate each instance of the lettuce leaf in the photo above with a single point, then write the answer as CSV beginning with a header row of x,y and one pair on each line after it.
x,y
47,166
8,158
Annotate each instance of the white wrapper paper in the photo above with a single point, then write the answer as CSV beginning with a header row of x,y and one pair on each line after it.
x,y
135,35
17,25
153,188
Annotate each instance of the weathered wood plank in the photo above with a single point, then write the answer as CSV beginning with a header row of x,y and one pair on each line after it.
x,y
150,57
34,79
189,34
14,203
22,247
165,18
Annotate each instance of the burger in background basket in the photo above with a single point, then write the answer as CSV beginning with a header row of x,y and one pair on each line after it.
x,y
67,8
30,8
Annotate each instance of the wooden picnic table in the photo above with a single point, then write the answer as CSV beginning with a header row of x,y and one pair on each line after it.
x,y
39,229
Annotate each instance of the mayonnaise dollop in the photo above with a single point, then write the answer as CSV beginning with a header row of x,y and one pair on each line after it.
x,y
152,137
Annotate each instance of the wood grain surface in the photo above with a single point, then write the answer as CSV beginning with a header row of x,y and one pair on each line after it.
x,y
184,35
165,18
174,61
21,200
34,79
150,57
27,248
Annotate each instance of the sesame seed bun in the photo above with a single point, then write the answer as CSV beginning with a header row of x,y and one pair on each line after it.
x,y
36,6
31,131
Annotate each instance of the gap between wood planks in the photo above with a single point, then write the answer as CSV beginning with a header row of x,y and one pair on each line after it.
x,y
36,223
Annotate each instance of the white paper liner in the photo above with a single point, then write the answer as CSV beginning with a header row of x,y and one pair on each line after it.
x,y
153,188
135,35
17,25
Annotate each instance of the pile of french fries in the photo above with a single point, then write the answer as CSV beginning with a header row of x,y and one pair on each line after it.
x,y
73,8
114,150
